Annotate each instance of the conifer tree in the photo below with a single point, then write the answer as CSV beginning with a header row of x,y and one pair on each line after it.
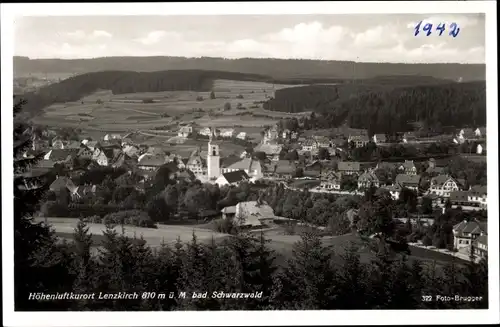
x,y
308,280
39,262
83,264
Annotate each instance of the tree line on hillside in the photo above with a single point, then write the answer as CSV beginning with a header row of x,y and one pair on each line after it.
x,y
120,82
277,68
387,108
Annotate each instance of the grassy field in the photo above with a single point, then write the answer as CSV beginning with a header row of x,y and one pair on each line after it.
x,y
280,241
106,112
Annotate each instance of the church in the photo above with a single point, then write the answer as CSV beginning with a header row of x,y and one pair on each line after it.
x,y
211,170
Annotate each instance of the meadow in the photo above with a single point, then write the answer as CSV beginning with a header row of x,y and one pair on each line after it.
x,y
279,240
107,112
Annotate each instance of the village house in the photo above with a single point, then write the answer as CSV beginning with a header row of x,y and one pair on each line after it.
x,y
73,145
465,233
379,138
253,213
349,167
226,132
411,182
109,137
61,155
228,212
394,190
309,145
242,136
478,196
58,143
359,140
185,131
92,145
331,180
313,169
288,134
409,137
251,167
433,169
408,167
324,142
123,160
282,169
205,131
480,132
232,178
151,162
85,191
196,163
84,152
368,179
480,247
272,151
271,135
130,150
443,185
63,182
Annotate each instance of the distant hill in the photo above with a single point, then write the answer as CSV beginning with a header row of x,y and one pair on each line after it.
x,y
387,108
120,82
276,68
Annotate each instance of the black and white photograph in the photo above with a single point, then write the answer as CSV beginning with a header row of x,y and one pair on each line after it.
x,y
260,161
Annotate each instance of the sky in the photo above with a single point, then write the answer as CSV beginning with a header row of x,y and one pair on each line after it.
x,y
365,38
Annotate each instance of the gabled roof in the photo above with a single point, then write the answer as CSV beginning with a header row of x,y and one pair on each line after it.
x,y
408,164
441,179
331,176
62,182
473,227
459,196
283,167
478,190
435,170
269,149
236,176
403,179
349,166
359,138
245,164
228,161
62,154
152,161
482,239
368,176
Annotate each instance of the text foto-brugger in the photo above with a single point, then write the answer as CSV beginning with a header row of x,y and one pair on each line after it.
x,y
447,298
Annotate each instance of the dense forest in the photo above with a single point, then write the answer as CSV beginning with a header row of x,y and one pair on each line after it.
x,y
277,68
387,108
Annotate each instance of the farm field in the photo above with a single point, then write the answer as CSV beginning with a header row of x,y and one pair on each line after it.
x,y
106,112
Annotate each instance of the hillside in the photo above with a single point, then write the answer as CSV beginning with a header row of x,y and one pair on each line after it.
x,y
121,82
387,108
277,68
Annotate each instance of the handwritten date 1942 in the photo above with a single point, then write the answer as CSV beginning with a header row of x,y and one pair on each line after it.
x,y
439,29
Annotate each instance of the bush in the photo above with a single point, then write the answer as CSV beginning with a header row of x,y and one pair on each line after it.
x,y
225,226
227,106
239,96
199,98
148,101
129,217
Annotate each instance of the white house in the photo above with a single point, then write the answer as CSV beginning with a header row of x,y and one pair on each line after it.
x,y
465,233
379,138
242,136
226,132
232,178
252,167
443,185
205,131
109,137
480,132
479,149
253,213
185,131
331,181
